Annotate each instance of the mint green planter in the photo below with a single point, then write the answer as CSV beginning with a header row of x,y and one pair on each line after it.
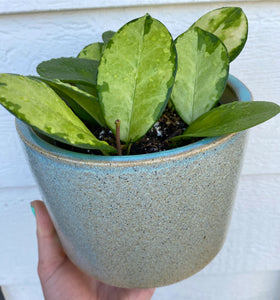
x,y
146,220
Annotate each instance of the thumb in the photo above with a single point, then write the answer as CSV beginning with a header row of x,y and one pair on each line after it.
x,y
51,253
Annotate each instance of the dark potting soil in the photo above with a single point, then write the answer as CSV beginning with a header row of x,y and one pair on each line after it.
x,y
157,138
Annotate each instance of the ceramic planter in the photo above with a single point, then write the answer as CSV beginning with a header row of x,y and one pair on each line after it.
x,y
145,220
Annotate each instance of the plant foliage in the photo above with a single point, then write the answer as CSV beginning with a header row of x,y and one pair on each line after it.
x,y
125,82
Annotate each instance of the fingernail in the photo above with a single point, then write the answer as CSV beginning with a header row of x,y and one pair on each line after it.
x,y
33,211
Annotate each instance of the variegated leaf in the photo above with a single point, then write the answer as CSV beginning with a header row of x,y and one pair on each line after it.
x,y
136,75
230,25
202,74
39,106
80,101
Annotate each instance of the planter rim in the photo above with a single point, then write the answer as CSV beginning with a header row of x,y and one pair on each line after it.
x,y
29,137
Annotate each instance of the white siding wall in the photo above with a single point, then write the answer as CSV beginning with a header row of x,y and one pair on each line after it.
x,y
248,267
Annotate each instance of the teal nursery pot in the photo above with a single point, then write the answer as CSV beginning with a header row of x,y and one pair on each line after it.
x,y
141,221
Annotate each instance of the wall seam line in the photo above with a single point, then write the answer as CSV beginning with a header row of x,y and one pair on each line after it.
x,y
128,5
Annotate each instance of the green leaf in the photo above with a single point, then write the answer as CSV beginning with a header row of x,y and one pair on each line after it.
x,y
232,117
36,104
90,89
230,25
80,101
202,73
92,51
95,50
70,69
135,76
107,35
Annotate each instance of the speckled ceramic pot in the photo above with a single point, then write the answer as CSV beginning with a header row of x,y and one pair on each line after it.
x,y
145,220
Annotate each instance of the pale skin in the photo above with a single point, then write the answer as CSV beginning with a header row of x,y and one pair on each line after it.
x,y
61,279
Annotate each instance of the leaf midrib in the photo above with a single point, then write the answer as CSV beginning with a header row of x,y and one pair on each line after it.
x,y
136,81
196,76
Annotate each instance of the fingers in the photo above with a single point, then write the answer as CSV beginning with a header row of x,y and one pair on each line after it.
x,y
51,254
139,294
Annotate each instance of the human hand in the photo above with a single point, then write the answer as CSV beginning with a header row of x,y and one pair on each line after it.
x,y
61,279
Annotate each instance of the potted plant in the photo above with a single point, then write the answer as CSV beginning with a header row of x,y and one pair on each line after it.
x,y
137,144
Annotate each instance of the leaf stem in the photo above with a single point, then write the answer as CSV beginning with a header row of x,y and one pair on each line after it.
x,y
118,139
105,153
129,148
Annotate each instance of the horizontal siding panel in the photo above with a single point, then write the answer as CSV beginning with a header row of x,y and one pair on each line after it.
x,y
14,171
18,251
256,286
23,292
19,6
240,286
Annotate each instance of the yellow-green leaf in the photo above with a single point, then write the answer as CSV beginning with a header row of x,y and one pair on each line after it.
x,y
202,74
39,106
78,100
135,76
230,25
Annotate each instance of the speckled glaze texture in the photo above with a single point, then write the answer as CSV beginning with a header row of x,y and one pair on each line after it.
x,y
141,221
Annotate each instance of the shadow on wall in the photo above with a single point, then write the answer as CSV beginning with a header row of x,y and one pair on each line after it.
x,y
264,285
1,294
